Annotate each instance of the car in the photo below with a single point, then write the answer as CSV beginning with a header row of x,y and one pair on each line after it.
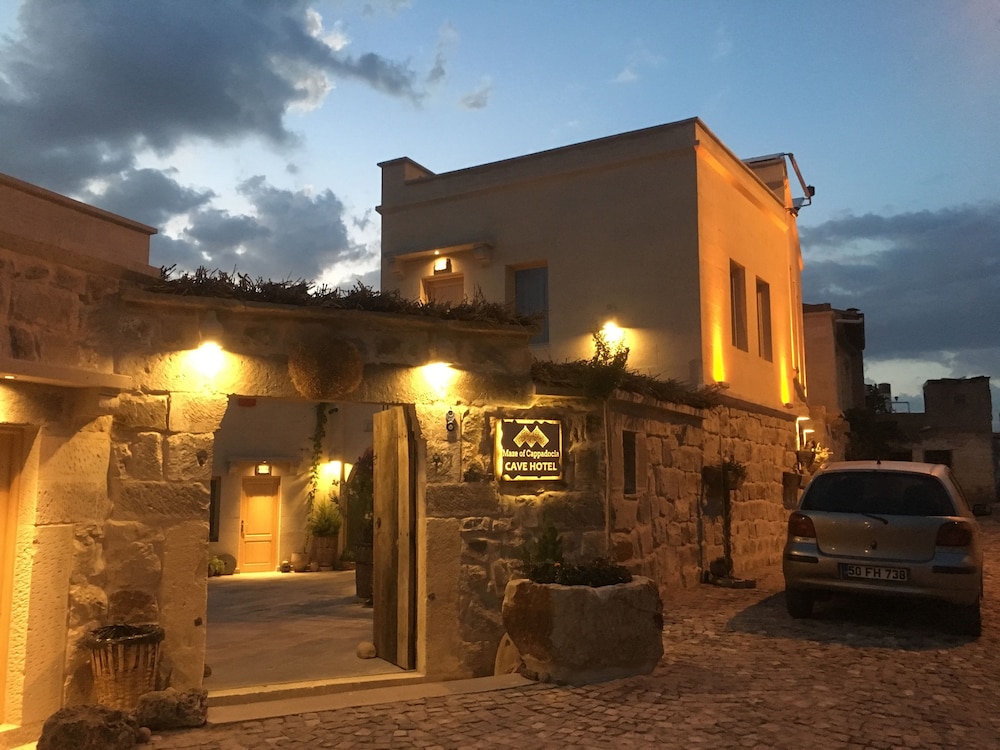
x,y
890,528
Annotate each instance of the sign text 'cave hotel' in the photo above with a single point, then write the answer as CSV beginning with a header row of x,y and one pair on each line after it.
x,y
529,449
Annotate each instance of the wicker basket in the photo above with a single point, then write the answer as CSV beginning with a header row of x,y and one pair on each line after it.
x,y
124,659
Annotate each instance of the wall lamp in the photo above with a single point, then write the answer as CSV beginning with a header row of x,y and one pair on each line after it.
x,y
208,358
442,265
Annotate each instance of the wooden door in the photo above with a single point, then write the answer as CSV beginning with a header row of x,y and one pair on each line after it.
x,y
393,577
10,461
259,525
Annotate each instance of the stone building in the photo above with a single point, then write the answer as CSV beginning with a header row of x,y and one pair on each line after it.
x,y
691,251
113,427
835,345
956,429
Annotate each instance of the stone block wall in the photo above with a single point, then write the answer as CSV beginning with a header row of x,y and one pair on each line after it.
x,y
485,522
675,524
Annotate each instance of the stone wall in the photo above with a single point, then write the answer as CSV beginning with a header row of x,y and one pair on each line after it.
x,y
669,530
675,523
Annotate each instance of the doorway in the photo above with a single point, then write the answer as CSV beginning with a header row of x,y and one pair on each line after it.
x,y
259,506
280,628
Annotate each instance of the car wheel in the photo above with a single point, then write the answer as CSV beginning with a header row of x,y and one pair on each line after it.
x,y
969,620
799,603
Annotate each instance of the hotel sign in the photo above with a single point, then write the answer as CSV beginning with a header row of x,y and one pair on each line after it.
x,y
529,449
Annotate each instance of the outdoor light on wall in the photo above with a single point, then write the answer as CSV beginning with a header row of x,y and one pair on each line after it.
x,y
442,265
613,335
438,375
263,469
211,330
332,471
208,358
801,431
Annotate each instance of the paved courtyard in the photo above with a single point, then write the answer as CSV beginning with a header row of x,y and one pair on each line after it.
x,y
737,672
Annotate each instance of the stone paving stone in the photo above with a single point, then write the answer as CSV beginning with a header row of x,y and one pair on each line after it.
x,y
736,672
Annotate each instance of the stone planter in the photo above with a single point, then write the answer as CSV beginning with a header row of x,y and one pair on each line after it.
x,y
579,634
324,551
300,562
363,569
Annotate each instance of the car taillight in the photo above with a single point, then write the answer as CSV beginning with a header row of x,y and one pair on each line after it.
x,y
954,534
801,525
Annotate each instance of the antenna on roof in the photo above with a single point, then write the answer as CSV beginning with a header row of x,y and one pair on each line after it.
x,y
808,190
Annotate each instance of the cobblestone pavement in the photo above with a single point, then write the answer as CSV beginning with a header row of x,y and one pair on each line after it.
x,y
737,672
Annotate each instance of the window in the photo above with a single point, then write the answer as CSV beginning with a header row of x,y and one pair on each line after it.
x,y
628,460
738,304
448,289
764,320
531,297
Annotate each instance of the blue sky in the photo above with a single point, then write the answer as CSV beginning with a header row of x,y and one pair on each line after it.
x,y
249,132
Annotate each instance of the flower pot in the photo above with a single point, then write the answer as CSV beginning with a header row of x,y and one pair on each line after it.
x,y
580,634
300,562
363,569
324,551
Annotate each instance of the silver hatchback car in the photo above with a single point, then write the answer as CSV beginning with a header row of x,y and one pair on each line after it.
x,y
891,528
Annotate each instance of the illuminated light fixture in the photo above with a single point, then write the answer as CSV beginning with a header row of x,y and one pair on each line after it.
x,y
211,330
263,469
331,471
9,377
438,376
442,265
614,336
208,358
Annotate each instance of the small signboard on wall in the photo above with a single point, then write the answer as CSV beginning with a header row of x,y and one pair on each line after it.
x,y
529,449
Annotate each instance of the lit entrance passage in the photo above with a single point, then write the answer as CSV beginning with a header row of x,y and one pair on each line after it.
x,y
10,450
259,524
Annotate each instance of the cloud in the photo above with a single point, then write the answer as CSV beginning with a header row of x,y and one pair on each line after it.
x,y
639,58
723,44
148,195
447,39
479,98
288,235
90,90
929,284
90,84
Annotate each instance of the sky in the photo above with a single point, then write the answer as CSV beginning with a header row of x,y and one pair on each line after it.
x,y
249,133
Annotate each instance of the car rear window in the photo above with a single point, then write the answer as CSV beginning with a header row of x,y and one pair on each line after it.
x,y
880,492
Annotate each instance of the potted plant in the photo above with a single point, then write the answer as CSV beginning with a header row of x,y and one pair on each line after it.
x,y
581,622
323,526
733,473
360,495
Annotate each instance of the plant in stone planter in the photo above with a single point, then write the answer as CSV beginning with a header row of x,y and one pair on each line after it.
x,y
323,526
581,622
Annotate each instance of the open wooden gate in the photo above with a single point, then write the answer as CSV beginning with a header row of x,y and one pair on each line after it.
x,y
394,575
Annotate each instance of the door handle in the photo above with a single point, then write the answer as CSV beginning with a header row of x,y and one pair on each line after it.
x,y
241,529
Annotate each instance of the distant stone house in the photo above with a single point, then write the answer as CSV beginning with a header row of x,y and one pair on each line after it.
x,y
835,344
955,428
111,434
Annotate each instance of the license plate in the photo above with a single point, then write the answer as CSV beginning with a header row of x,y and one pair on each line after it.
x,y
874,572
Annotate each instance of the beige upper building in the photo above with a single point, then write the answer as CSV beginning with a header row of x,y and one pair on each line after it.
x,y
689,249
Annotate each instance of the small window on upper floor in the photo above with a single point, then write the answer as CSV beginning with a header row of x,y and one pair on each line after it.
x,y
531,298
448,289
738,305
764,320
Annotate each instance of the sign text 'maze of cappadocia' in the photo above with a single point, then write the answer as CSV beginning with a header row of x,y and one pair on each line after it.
x,y
529,449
